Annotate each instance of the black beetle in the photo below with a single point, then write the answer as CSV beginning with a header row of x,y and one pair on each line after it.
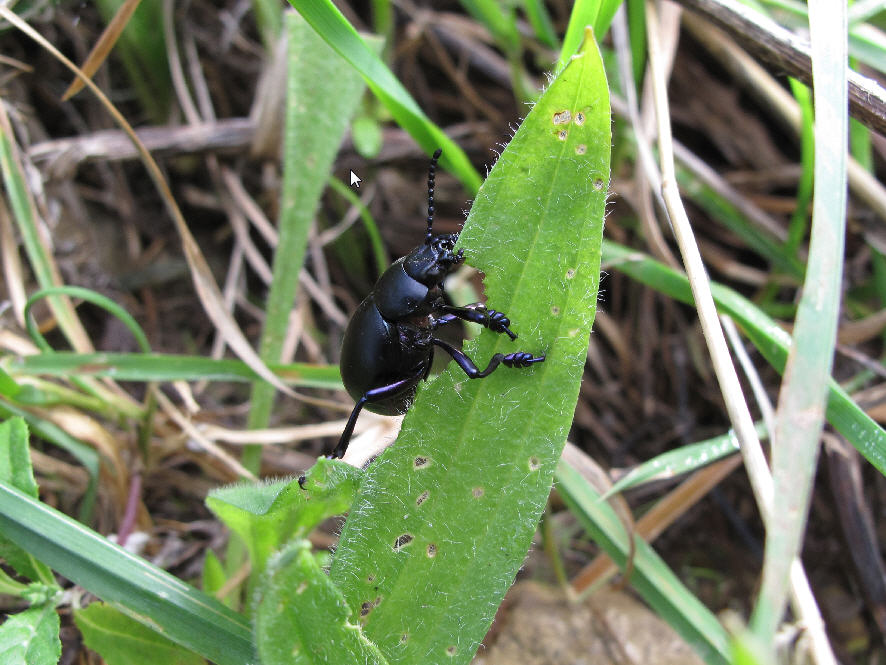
x,y
389,343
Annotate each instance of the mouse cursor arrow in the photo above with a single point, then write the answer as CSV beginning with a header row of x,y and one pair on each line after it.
x,y
355,180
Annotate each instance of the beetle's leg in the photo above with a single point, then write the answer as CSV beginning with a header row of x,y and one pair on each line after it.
x,y
516,359
374,395
477,313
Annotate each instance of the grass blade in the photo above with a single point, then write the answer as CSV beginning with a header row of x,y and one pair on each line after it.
x,y
652,578
765,334
315,74
148,593
167,367
803,395
329,23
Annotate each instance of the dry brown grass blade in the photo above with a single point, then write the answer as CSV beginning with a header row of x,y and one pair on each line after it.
x,y
103,46
12,265
204,283
180,419
60,306
90,431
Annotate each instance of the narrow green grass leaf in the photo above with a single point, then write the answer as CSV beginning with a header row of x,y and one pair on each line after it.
x,y
302,618
375,239
142,48
594,13
167,367
765,334
328,21
726,213
90,296
269,17
584,13
121,640
541,22
651,577
499,18
444,517
8,386
799,224
31,637
676,462
315,75
213,576
803,395
148,593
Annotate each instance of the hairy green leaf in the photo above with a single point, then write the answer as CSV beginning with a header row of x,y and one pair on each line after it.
x,y
31,637
445,517
267,514
302,618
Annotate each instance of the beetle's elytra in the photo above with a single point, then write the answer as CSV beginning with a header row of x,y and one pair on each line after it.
x,y
389,343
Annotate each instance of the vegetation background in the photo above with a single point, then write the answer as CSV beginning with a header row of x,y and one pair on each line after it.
x,y
205,83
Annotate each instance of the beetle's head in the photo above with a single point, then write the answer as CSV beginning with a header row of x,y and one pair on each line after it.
x,y
431,261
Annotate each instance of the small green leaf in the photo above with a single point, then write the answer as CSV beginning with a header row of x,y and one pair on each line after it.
x,y
15,456
302,617
168,367
367,136
267,514
213,575
15,469
8,386
31,637
121,640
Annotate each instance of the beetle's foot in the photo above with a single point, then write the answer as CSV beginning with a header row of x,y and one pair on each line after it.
x,y
521,359
496,321
499,323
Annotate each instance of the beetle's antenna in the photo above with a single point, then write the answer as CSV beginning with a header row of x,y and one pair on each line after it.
x,y
431,170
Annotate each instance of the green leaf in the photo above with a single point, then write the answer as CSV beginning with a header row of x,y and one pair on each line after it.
x,y
445,517
15,456
31,637
148,593
86,455
213,576
266,515
8,386
89,296
302,618
15,469
121,640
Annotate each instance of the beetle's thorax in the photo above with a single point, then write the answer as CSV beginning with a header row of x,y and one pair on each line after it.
x,y
431,261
